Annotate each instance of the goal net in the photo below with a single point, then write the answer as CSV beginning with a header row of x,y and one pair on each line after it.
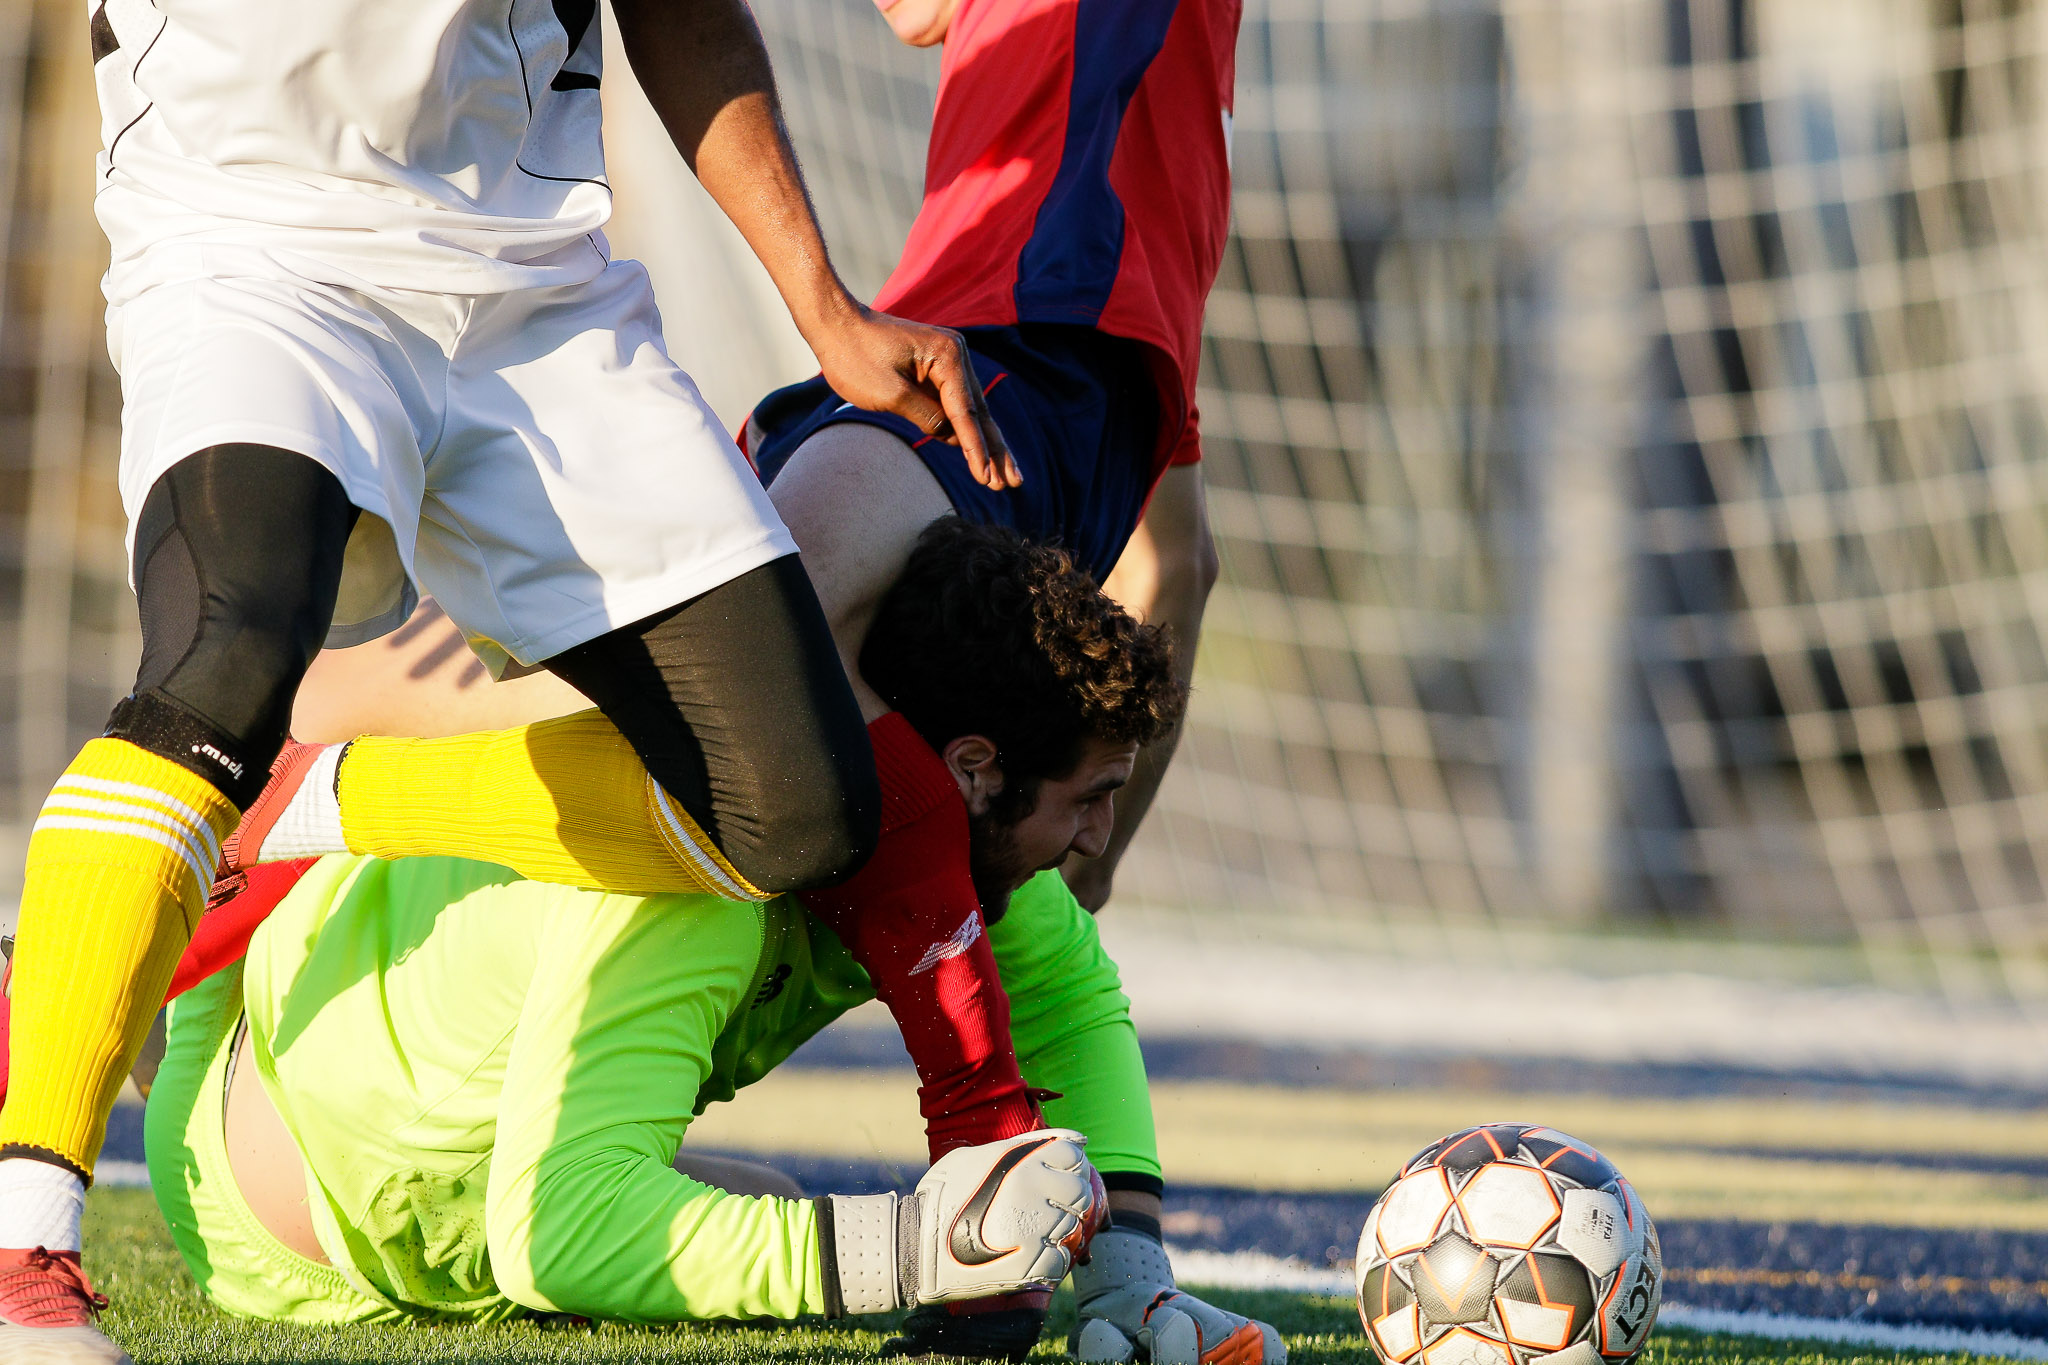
x,y
1625,443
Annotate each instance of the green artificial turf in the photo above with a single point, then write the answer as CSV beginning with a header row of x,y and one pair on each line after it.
x,y
161,1319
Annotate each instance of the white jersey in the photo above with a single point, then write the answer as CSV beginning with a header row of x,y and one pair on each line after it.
x,y
445,145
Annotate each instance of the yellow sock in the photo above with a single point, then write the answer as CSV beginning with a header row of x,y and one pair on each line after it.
x,y
118,869
564,801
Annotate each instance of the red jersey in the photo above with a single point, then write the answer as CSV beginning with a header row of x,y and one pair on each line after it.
x,y
1079,171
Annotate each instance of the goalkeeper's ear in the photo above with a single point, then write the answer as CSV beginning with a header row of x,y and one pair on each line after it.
x,y
977,766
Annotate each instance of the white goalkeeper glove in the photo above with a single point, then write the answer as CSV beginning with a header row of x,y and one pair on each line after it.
x,y
1131,1311
994,1219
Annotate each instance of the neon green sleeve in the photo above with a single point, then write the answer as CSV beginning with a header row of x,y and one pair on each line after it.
x,y
585,1214
1071,1022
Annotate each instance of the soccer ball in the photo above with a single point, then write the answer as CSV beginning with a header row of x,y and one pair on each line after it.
x,y
1509,1244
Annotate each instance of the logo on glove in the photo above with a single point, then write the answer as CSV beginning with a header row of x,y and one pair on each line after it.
x,y
969,1246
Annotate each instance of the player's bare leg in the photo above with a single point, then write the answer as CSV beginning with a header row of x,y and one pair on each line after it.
x,y
1163,578
856,497
421,680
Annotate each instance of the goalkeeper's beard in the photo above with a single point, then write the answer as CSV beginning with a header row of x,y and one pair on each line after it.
x,y
993,858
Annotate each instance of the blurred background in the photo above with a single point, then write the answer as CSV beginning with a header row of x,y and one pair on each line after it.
x,y
1626,444
1625,704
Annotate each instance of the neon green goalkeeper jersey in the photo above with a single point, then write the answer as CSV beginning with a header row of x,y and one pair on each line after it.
x,y
488,1078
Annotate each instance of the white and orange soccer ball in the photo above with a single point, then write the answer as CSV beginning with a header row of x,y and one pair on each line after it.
x,y
1509,1244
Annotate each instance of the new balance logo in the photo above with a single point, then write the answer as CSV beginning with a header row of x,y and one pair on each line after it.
x,y
772,986
962,939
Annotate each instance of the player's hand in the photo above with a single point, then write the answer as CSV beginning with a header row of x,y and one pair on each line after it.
x,y
1008,1216
1130,1310
922,374
1002,1328
1000,1218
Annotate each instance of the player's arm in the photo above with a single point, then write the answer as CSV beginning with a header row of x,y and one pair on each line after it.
x,y
706,72
1072,1024
1163,578
586,1215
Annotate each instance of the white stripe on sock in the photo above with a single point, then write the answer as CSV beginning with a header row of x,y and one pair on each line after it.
x,y
160,799
680,838
200,872
195,849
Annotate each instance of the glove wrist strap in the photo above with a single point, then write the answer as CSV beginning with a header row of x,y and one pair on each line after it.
x,y
859,1254
909,1249
1138,1222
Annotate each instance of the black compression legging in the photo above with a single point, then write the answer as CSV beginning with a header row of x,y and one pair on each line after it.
x,y
736,700
738,704
238,554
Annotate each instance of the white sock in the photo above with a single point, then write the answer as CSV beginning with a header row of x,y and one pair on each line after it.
x,y
40,1206
311,822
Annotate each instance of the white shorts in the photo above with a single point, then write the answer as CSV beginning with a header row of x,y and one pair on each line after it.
x,y
533,459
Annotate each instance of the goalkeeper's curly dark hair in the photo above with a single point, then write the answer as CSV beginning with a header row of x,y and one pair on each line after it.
x,y
987,633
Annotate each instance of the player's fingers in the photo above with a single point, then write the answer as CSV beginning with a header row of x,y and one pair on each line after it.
x,y
915,406
988,455
1000,458
1101,1340
1171,1337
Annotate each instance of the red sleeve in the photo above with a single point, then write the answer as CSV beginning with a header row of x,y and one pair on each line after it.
x,y
912,919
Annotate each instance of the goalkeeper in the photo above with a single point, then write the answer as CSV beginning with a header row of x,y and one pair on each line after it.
x,y
433,1089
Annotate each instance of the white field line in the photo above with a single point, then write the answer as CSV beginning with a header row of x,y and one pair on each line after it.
x,y
1339,998
1892,1335
1257,1270
124,1174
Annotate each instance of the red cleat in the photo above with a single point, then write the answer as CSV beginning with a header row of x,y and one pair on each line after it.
x,y
244,848
47,1307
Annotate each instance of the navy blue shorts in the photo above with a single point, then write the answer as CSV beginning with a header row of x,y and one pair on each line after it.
x,y
1079,408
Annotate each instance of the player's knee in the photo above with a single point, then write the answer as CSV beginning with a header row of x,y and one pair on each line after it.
x,y
241,660
815,829
238,557
215,689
